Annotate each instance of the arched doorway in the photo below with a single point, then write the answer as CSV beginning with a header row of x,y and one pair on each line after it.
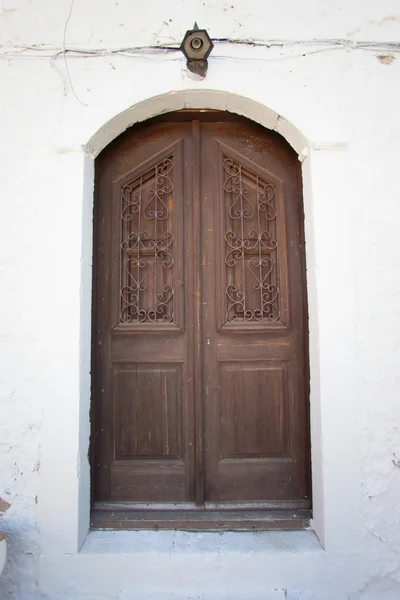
x,y
200,365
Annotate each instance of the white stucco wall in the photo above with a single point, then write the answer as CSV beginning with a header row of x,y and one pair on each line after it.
x,y
338,106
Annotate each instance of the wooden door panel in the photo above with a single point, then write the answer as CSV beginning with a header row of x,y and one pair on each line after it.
x,y
149,211
270,481
148,411
136,347
232,347
144,364
157,480
254,411
254,352
252,257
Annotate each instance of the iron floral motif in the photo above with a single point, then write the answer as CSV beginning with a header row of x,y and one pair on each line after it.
x,y
251,246
147,253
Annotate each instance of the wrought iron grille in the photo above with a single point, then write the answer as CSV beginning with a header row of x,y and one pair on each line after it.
x,y
147,247
251,247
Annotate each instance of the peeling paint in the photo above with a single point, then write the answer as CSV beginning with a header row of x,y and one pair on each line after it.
x,y
4,505
386,59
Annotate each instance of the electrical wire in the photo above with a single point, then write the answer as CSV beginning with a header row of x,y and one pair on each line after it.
x,y
172,52
153,52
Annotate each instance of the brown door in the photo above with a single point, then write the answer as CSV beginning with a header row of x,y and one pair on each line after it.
x,y
199,365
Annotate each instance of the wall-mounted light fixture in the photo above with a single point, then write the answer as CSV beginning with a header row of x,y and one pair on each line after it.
x,y
197,46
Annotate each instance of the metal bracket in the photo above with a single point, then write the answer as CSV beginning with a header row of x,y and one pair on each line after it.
x,y
197,46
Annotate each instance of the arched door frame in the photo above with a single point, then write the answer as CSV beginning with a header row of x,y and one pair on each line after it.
x,y
259,113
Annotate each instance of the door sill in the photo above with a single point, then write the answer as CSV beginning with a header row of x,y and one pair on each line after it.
x,y
200,520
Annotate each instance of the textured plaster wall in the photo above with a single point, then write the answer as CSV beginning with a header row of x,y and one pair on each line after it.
x,y
338,106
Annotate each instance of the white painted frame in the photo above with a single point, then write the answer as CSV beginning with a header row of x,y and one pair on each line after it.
x,y
65,521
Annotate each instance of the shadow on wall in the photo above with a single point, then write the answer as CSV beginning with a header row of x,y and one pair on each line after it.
x,y
18,579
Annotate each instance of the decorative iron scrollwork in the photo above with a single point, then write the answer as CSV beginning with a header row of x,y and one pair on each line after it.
x,y
252,292
147,247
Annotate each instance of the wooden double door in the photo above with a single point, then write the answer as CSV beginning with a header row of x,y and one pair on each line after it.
x,y
200,369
